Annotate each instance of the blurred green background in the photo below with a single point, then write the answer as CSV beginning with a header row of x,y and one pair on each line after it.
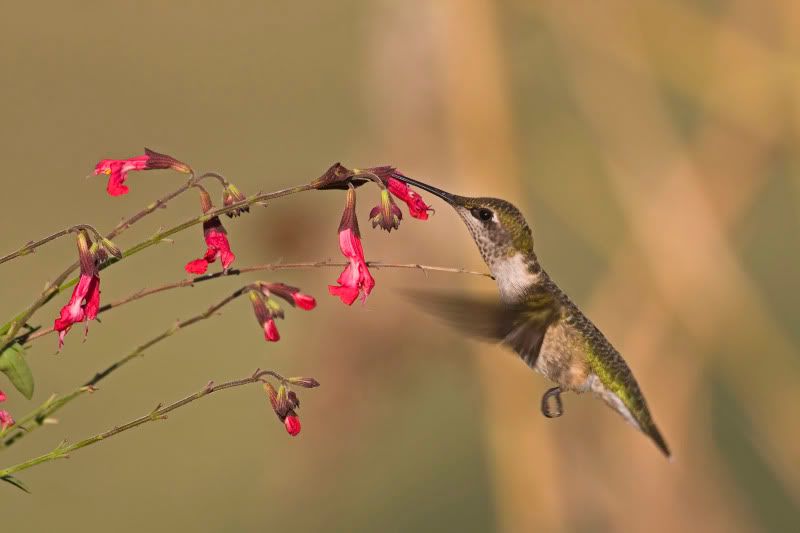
x,y
650,143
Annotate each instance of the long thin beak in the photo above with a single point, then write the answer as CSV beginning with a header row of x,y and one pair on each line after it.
x,y
444,195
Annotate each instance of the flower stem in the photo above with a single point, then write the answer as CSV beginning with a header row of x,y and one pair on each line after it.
x,y
33,245
55,403
63,449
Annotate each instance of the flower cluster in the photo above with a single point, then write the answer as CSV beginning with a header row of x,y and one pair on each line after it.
x,y
356,279
285,402
6,420
117,169
267,309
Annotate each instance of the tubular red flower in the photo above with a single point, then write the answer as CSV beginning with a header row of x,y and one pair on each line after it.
x,y
304,301
271,331
218,248
417,208
117,169
292,424
355,279
83,305
6,420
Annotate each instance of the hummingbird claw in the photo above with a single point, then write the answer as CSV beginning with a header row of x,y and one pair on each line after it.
x,y
555,392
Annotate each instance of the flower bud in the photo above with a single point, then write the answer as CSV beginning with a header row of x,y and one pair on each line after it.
x,y
386,214
292,424
231,195
111,248
206,204
308,383
336,177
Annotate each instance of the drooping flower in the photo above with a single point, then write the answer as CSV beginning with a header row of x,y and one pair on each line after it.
x,y
386,214
84,303
292,424
284,404
417,208
218,248
266,311
117,169
355,279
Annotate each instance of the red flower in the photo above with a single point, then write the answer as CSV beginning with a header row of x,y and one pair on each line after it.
x,y
271,330
304,301
355,279
416,206
218,247
117,169
290,294
83,305
7,420
292,424
265,310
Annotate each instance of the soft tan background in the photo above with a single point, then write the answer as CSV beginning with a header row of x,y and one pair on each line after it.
x,y
651,144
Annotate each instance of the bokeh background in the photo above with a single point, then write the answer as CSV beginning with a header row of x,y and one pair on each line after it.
x,y
651,145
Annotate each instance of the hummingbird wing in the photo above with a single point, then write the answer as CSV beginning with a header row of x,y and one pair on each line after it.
x,y
520,326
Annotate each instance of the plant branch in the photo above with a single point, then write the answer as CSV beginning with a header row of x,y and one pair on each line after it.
x,y
55,403
31,246
159,413
190,282
60,283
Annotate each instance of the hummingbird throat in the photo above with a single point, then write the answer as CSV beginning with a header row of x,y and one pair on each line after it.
x,y
515,275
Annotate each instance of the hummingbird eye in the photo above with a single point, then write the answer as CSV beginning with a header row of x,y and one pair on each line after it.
x,y
482,213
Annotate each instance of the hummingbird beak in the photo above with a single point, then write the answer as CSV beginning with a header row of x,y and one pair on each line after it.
x,y
444,195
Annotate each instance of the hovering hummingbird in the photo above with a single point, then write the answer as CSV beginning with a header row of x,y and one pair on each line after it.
x,y
535,318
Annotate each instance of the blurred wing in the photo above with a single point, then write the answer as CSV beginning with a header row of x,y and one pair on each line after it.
x,y
520,327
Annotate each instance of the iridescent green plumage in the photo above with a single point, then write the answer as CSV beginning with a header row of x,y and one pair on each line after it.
x,y
535,318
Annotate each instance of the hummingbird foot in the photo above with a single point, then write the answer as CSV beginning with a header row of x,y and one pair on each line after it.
x,y
555,392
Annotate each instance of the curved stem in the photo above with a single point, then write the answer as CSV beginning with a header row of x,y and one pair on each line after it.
x,y
63,449
31,246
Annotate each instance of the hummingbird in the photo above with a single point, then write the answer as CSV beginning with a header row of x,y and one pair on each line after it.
x,y
535,318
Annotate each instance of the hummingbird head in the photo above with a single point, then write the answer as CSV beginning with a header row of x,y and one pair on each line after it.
x,y
498,228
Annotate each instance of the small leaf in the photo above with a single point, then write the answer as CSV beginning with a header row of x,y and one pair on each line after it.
x,y
16,482
14,366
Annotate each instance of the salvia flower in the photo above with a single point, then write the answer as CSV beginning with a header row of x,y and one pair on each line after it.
x,y
117,169
266,311
290,294
85,301
232,195
6,420
386,214
417,208
355,279
218,247
284,404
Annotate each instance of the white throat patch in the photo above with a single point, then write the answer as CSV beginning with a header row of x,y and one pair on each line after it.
x,y
513,276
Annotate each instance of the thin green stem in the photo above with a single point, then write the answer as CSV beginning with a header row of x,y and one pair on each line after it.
x,y
33,245
55,403
159,413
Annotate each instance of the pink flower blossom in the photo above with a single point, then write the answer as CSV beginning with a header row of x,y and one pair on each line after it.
x,y
218,248
83,305
271,330
417,208
304,301
7,420
117,169
355,279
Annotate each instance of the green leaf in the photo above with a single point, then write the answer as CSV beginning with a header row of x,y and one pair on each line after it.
x,y
14,366
16,482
